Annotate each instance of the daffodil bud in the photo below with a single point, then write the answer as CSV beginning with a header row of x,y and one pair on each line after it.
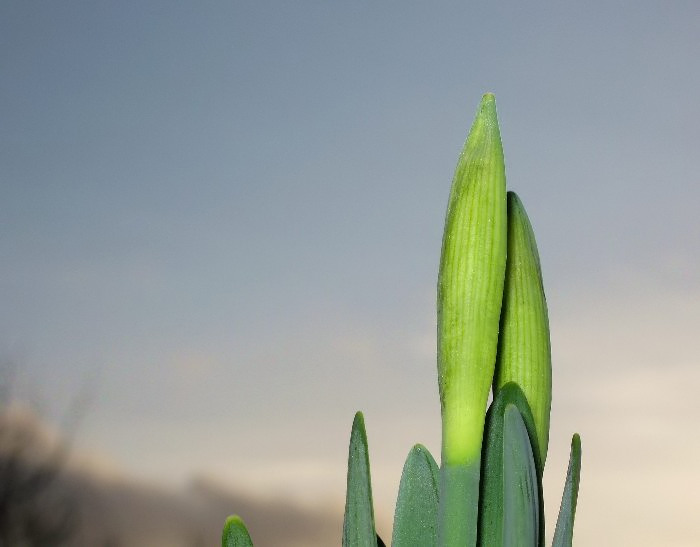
x,y
524,354
470,285
470,292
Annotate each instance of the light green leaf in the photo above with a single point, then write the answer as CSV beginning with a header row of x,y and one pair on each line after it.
x,y
235,533
358,524
415,519
564,532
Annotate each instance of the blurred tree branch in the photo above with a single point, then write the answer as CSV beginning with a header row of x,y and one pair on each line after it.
x,y
33,511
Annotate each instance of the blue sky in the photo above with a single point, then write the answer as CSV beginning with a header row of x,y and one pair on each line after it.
x,y
224,218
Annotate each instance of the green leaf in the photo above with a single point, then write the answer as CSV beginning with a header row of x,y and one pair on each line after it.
x,y
235,533
511,509
520,496
358,524
564,532
524,354
415,519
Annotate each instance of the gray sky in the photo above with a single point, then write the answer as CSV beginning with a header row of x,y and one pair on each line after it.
x,y
224,219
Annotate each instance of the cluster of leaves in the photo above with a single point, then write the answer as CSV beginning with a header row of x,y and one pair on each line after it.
x,y
493,338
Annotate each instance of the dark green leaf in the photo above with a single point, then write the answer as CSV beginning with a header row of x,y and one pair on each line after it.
x,y
415,519
564,532
235,533
510,468
358,524
520,495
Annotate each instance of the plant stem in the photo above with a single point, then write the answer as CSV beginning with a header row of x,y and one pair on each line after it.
x,y
459,504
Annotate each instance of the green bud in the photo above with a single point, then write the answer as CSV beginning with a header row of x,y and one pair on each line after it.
x,y
524,354
470,285
470,292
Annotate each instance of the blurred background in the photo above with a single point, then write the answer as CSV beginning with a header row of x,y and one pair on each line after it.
x,y
220,226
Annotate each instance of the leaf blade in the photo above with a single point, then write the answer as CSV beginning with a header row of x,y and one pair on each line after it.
x,y
520,495
415,518
493,486
564,532
358,522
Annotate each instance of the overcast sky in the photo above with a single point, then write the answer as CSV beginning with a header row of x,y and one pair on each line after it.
x,y
223,220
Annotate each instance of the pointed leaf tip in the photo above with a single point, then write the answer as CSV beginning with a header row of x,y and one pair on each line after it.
x,y
358,523
415,518
235,533
564,532
358,420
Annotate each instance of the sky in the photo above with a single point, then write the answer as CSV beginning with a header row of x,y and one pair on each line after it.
x,y
220,227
